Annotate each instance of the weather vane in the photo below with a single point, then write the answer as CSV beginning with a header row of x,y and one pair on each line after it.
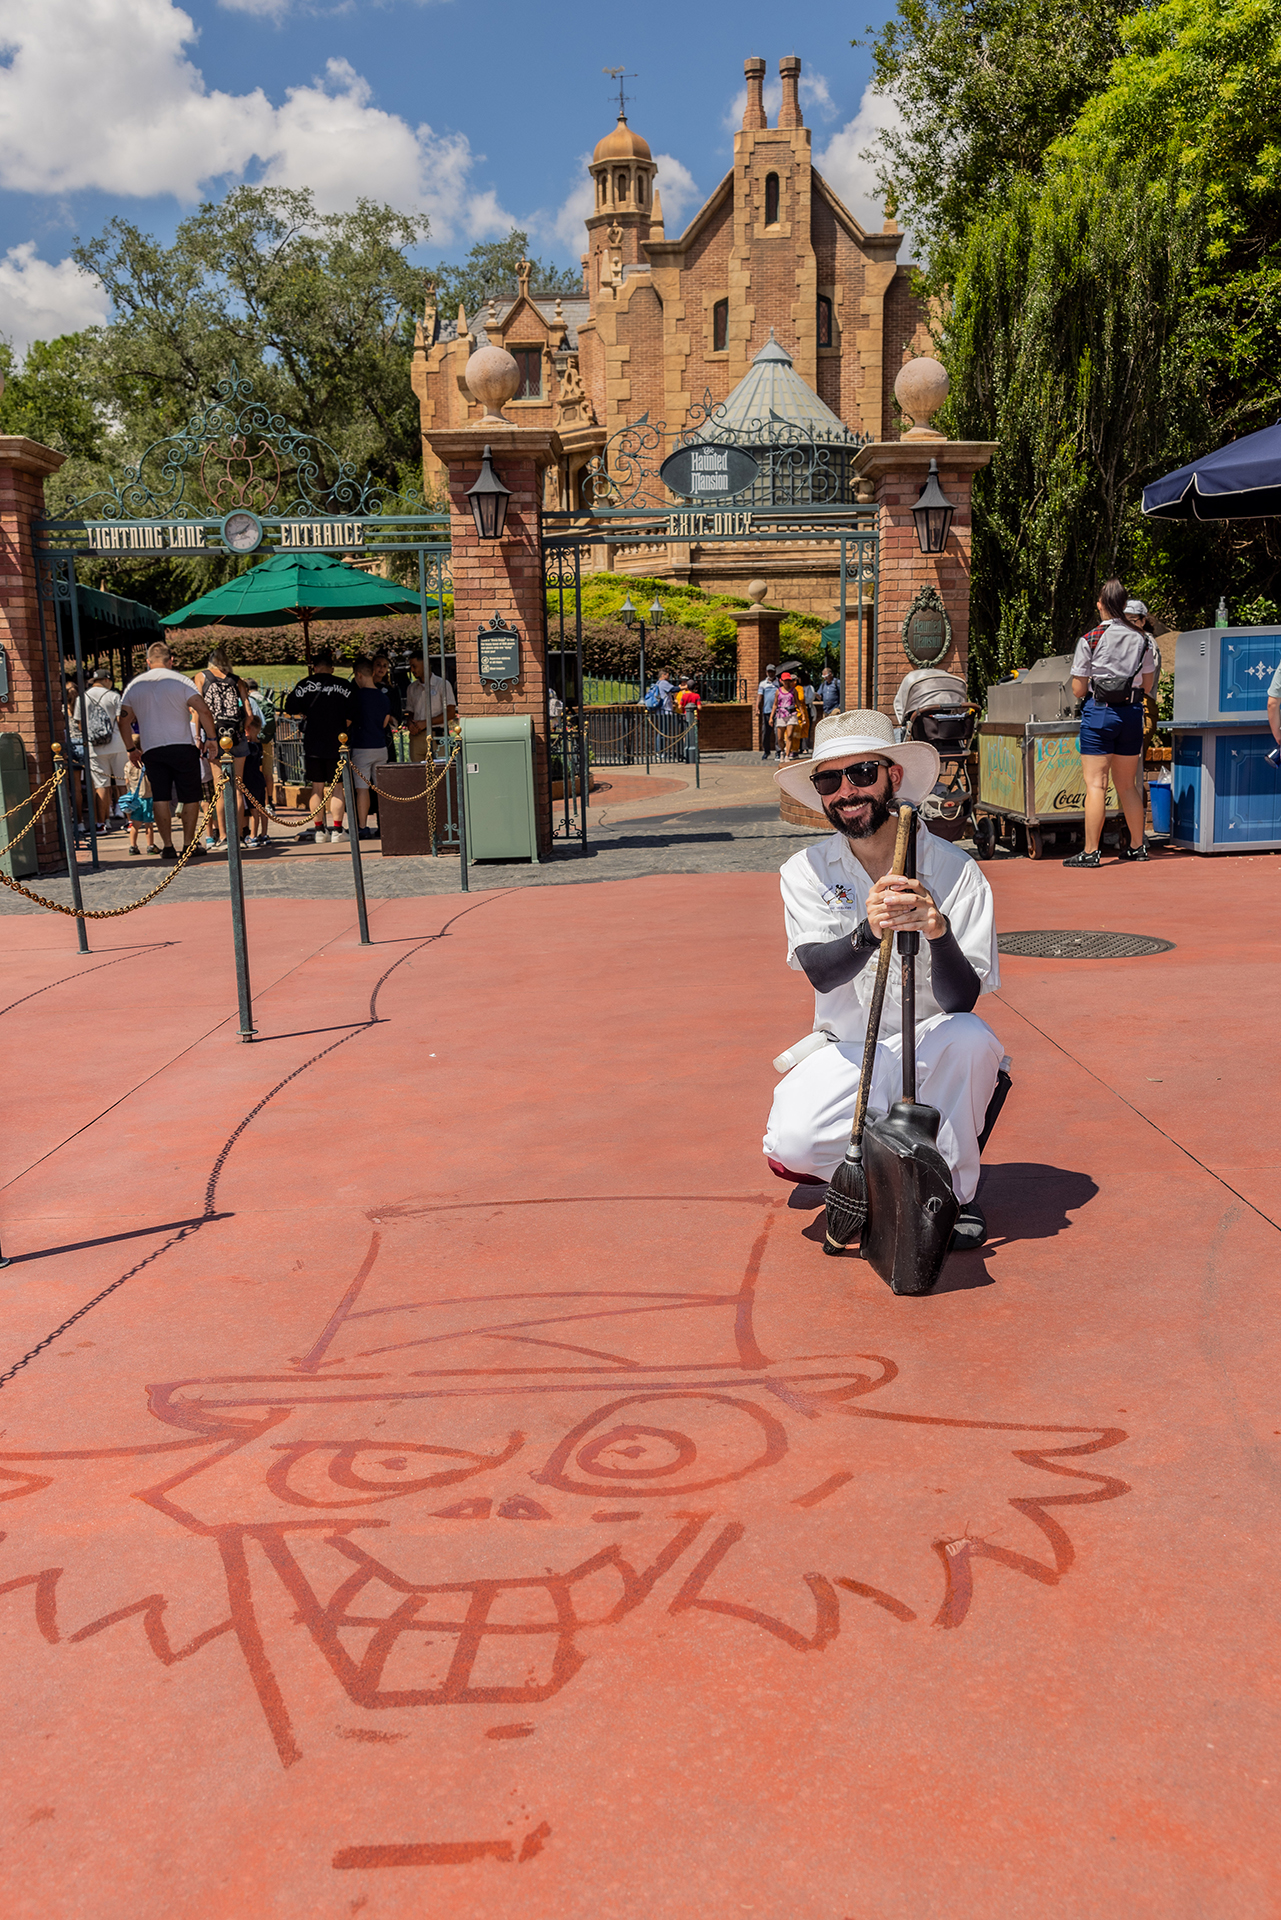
x,y
620,74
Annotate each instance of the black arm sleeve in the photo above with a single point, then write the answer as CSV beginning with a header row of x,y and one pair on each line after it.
x,y
828,964
955,983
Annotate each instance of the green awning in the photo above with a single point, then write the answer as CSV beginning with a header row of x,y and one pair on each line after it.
x,y
300,587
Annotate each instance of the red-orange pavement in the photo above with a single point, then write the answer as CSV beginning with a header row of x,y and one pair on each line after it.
x,y
482,1498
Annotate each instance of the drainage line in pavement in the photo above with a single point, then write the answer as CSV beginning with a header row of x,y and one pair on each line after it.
x,y
216,1171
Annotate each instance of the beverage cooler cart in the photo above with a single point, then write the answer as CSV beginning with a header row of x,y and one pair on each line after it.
x,y
1031,791
1226,796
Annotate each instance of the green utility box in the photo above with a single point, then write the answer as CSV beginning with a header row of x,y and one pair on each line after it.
x,y
15,787
498,785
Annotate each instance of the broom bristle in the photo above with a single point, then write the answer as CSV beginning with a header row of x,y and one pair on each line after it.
x,y
846,1206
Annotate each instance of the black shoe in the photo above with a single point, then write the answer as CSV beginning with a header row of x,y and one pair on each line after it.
x,y
1136,853
1083,860
970,1230
168,853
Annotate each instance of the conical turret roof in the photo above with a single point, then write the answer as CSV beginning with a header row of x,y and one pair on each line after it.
x,y
772,386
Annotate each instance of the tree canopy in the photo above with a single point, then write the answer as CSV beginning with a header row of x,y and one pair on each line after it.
x,y
317,309
1097,195
490,268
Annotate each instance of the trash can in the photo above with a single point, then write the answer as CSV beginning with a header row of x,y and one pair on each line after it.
x,y
498,771
1160,799
15,787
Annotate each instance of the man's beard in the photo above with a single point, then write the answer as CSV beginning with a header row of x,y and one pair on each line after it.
x,y
880,806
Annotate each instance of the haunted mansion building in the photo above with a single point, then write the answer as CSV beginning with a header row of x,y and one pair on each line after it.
x,y
773,302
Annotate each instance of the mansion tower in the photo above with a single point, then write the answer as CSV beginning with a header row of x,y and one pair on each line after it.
x,y
773,256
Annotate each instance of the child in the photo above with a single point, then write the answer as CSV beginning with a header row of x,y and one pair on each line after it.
x,y
135,804
255,785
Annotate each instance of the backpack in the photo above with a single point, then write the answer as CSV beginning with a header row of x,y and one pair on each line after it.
x,y
654,699
1115,689
102,723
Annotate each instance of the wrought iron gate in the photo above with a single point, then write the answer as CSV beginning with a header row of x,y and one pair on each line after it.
x,y
239,479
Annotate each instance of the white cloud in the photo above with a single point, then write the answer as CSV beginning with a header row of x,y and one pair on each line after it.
x,y
566,224
144,123
844,162
681,196
39,300
265,9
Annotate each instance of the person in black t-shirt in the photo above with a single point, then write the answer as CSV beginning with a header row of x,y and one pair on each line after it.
x,y
324,705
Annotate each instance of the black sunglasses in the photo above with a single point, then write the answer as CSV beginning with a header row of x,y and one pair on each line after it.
x,y
863,773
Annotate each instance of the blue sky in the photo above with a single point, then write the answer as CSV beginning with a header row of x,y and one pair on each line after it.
x,y
480,116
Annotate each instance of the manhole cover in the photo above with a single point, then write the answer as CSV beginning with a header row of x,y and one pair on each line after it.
x,y
1057,944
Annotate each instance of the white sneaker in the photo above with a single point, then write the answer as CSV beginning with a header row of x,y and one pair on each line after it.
x,y
320,836
336,834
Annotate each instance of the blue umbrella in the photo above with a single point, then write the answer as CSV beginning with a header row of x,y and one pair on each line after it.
x,y
1241,481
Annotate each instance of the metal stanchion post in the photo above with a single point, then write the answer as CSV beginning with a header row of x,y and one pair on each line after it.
x,y
69,847
353,835
236,878
698,765
3,1261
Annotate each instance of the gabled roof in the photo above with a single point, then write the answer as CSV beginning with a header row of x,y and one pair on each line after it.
x,y
772,388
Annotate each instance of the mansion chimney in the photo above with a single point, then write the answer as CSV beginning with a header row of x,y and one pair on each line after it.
x,y
789,72
754,111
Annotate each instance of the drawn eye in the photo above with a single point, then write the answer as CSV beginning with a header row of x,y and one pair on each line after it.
x,y
712,1438
358,1473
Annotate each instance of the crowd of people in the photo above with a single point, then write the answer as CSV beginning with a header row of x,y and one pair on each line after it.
x,y
790,705
154,747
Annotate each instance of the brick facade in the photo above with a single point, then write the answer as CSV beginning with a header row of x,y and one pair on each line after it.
x,y
898,470
24,468
641,337
503,577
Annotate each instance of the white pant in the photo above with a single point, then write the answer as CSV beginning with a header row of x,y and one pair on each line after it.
x,y
957,1060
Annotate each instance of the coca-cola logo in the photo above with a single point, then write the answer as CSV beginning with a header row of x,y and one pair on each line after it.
x,y
1069,800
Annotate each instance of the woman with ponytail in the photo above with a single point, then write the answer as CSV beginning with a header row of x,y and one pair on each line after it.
x,y
1112,668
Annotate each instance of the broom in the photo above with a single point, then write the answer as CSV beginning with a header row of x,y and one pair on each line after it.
x,y
847,1189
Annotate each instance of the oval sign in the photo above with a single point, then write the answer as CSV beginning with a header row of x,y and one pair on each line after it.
x,y
705,471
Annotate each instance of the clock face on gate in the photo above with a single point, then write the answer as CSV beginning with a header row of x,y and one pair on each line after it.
x,y
242,532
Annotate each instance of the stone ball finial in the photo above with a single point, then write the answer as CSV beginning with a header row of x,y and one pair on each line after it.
x,y
757,590
920,389
492,377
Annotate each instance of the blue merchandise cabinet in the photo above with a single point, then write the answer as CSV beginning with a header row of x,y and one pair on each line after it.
x,y
1226,797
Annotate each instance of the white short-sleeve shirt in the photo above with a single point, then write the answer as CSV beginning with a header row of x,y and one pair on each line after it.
x,y
825,891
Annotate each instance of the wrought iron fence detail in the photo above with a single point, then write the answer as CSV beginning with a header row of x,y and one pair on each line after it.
x,y
796,468
244,455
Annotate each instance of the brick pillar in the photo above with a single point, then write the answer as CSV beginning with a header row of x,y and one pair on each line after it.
x,y
502,577
759,646
24,468
898,469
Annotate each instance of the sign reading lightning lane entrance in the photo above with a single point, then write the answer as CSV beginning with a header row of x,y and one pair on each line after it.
x,y
706,472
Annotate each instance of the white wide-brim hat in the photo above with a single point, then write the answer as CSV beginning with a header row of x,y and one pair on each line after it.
x,y
861,734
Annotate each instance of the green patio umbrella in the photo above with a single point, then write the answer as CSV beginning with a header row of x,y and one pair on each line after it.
x,y
302,587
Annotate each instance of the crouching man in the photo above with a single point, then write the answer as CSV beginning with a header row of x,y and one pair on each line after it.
x,y
839,897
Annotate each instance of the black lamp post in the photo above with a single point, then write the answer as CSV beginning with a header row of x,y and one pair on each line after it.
x,y
655,621
933,514
489,498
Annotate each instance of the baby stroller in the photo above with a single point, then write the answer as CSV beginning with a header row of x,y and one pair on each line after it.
x,y
933,706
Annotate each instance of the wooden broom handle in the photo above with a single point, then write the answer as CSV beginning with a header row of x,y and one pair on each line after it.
x,y
901,841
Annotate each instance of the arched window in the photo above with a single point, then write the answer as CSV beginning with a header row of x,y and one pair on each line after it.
x,y
620,186
640,188
824,321
771,199
720,326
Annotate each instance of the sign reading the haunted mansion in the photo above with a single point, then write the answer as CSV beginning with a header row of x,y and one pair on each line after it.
x,y
499,647
711,472
927,631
